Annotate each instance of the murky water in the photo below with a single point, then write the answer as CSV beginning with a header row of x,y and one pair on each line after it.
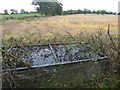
x,y
48,54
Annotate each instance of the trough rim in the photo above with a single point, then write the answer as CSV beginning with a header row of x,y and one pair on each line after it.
x,y
41,45
55,64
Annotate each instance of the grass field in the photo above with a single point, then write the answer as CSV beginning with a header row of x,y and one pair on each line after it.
x,y
20,15
74,24
56,29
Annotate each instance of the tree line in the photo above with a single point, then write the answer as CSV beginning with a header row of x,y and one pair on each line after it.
x,y
13,11
56,8
86,11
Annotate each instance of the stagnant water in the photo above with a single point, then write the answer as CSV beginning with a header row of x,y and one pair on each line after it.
x,y
48,54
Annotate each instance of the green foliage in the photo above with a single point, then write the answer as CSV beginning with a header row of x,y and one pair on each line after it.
x,y
13,11
86,11
49,8
22,11
6,12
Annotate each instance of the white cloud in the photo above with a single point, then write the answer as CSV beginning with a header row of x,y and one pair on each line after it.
x,y
109,5
16,4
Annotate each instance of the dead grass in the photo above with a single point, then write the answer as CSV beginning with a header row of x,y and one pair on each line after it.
x,y
70,23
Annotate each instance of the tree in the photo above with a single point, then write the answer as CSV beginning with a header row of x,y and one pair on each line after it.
x,y
79,11
49,8
88,11
110,12
22,11
85,11
13,11
115,13
16,12
103,12
93,12
98,12
5,11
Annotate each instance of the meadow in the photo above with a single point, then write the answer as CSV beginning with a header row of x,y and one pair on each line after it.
x,y
20,15
47,26
99,31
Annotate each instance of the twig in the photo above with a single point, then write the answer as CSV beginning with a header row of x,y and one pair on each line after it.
x,y
21,60
111,39
53,53
71,36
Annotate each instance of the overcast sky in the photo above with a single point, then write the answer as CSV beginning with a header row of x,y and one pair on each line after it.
x,y
109,5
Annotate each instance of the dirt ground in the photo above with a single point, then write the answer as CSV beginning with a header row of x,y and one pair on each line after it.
x,y
71,23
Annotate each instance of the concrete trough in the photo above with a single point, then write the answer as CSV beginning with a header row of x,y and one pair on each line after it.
x,y
56,66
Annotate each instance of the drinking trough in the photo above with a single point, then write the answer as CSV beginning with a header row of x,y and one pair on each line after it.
x,y
55,65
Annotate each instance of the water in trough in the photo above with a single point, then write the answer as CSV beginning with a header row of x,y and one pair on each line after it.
x,y
48,54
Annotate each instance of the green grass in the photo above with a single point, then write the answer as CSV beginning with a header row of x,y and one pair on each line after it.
x,y
20,15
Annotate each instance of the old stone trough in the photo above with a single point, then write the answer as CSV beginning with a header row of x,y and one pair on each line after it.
x,y
56,65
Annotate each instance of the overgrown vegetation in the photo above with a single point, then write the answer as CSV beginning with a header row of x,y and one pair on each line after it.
x,y
101,41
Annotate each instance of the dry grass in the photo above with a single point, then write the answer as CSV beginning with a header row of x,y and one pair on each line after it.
x,y
71,23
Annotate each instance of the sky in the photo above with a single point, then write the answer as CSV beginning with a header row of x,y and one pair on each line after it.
x,y
108,5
